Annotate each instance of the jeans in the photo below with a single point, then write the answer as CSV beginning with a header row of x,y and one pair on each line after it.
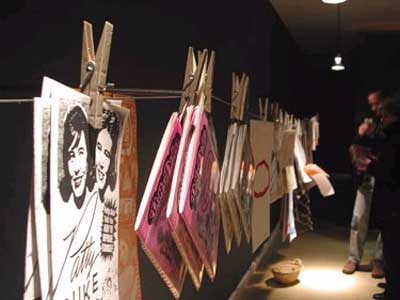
x,y
360,222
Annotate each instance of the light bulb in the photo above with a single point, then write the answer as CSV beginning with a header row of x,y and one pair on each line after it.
x,y
338,66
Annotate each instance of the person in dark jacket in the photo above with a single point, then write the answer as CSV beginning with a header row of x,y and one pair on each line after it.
x,y
364,144
386,198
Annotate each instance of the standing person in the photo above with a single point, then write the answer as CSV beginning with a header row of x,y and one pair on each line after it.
x,y
386,199
364,144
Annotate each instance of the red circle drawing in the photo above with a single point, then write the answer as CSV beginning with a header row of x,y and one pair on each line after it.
x,y
263,164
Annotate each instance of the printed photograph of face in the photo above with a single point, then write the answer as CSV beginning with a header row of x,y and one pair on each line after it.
x,y
105,153
76,158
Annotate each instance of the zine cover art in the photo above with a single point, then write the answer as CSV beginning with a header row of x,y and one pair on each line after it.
x,y
229,197
84,197
199,204
262,153
107,157
276,187
41,194
151,224
234,194
225,215
179,231
244,190
227,225
128,266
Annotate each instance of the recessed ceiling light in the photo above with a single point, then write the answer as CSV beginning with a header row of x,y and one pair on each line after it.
x,y
333,1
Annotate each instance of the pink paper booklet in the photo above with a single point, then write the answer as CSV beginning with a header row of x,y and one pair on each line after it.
x,y
151,224
198,204
180,234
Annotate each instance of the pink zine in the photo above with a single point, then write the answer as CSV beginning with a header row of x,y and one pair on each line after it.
x,y
199,203
180,234
151,224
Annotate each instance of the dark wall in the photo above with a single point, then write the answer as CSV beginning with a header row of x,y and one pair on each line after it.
x,y
341,99
148,51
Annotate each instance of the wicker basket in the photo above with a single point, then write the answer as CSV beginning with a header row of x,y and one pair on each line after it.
x,y
286,272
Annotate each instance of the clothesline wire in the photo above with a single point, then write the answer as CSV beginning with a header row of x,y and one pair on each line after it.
x,y
157,94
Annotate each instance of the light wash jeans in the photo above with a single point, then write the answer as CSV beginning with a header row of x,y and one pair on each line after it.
x,y
360,222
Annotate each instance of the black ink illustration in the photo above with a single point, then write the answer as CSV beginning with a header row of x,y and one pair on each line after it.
x,y
76,158
106,153
108,229
161,194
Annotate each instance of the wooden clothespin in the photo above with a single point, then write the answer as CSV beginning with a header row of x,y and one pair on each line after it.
x,y
239,95
193,75
94,70
207,100
244,92
200,92
235,100
266,109
275,112
260,108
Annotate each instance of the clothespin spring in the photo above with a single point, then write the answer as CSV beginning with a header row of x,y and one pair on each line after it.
x,y
91,67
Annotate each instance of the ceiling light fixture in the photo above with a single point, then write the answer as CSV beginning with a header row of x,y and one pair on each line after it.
x,y
338,65
333,1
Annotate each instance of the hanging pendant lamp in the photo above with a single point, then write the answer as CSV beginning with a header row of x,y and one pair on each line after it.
x,y
338,64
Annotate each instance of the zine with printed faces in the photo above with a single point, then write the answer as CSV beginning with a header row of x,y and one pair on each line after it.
x,y
199,202
151,224
84,195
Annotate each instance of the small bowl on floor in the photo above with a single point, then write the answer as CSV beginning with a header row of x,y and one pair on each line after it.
x,y
287,272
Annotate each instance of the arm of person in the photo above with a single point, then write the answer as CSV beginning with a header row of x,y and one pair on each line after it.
x,y
386,166
364,132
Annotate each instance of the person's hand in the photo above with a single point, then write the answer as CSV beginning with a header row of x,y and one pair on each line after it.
x,y
366,127
362,164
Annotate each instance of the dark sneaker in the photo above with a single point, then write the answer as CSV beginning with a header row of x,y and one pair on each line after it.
x,y
350,267
382,285
379,296
377,269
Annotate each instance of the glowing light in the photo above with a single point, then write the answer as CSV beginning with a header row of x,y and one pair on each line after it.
x,y
325,280
338,66
333,1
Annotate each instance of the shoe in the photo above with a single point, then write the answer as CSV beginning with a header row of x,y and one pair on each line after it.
x,y
382,285
377,269
365,268
379,296
350,267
